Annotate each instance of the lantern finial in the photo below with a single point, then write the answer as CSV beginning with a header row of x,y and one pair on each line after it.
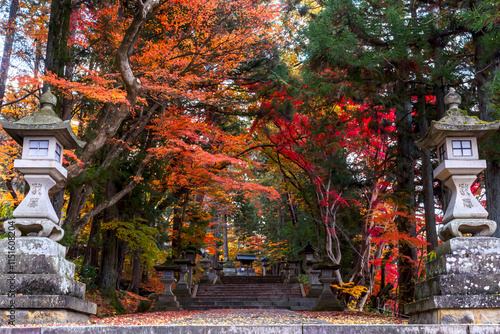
x,y
452,100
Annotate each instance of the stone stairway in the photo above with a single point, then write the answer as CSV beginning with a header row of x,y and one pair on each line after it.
x,y
249,292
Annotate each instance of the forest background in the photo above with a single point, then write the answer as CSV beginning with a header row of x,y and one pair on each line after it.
x,y
246,126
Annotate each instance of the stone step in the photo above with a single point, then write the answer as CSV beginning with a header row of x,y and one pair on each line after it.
x,y
246,303
251,279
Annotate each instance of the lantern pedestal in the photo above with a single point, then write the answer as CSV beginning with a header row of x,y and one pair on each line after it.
x,y
167,300
462,286
315,286
327,301
477,227
37,284
182,290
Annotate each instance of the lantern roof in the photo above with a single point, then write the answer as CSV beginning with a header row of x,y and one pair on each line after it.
x,y
456,123
167,265
309,249
43,122
246,257
326,263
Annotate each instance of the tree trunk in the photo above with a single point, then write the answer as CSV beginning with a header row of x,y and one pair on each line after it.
x,y
109,262
122,247
487,66
427,181
145,273
181,196
136,272
91,252
226,245
7,48
57,39
405,196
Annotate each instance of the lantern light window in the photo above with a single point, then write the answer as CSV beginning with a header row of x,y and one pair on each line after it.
x,y
39,148
462,148
58,152
442,153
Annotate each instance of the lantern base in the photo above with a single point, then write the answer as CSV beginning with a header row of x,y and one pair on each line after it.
x,y
462,285
166,302
37,283
457,227
41,227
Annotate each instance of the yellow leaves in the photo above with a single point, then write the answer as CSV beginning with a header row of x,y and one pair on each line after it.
x,y
354,290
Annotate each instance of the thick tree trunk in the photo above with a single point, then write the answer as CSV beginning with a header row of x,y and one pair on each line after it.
x,y
136,272
109,261
181,196
122,248
108,270
487,66
405,196
7,48
57,39
427,181
91,256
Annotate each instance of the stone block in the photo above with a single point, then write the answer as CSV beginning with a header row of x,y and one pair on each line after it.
x,y
457,316
484,329
40,284
468,246
383,329
38,316
461,284
46,309
454,302
458,264
33,246
166,303
37,264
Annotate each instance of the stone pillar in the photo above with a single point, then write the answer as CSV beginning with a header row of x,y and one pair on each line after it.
x,y
218,272
205,265
181,290
462,286
292,274
315,286
37,284
167,300
327,301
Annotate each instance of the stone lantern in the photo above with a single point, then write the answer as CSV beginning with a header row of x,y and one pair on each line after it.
x,y
463,281
265,264
293,271
167,300
43,137
37,283
182,290
327,301
315,287
190,253
456,138
205,265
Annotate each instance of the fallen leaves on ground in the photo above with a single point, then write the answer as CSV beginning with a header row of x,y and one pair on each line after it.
x,y
251,317
354,318
254,317
152,318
